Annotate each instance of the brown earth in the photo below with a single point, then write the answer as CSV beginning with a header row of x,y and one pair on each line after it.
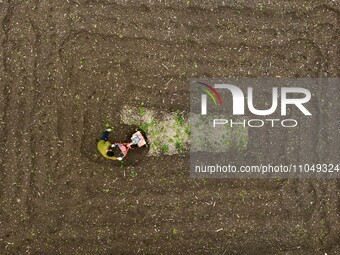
x,y
69,66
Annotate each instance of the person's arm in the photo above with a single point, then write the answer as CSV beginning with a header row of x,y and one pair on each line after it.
x,y
129,145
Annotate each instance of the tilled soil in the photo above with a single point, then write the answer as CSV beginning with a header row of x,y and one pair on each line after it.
x,y
67,69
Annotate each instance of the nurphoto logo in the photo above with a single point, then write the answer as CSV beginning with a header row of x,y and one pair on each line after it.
x,y
264,127
238,107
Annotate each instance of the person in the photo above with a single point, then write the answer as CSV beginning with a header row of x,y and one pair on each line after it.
x,y
105,147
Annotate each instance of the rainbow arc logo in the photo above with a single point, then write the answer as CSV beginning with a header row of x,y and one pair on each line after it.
x,y
211,91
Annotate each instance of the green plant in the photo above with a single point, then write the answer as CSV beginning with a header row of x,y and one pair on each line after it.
x,y
187,130
144,127
152,123
133,173
260,7
165,148
77,103
174,231
177,205
179,118
243,194
179,146
120,36
107,125
300,231
141,111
